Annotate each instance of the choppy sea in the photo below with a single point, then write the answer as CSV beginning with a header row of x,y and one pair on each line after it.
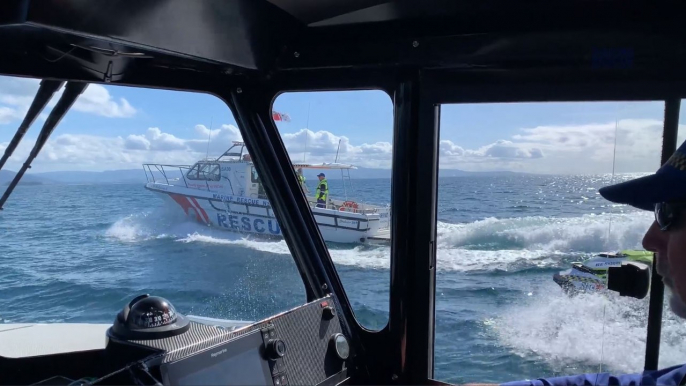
x,y
78,253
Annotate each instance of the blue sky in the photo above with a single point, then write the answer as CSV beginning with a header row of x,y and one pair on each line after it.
x,y
111,128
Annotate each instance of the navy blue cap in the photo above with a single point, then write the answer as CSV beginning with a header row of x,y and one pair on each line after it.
x,y
321,175
667,184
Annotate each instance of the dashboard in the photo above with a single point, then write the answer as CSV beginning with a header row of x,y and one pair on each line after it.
x,y
151,344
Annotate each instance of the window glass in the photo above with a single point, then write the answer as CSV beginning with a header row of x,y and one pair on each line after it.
x,y
340,145
519,218
90,227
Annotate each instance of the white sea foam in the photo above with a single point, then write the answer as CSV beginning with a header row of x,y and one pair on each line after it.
x,y
595,329
588,233
486,245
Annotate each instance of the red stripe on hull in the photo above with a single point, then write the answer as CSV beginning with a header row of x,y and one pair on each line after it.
x,y
202,211
186,205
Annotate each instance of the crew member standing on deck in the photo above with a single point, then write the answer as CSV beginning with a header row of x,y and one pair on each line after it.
x,y
301,178
322,191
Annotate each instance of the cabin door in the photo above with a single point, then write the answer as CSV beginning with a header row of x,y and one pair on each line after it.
x,y
256,189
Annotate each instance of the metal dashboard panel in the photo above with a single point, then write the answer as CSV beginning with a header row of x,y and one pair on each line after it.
x,y
304,330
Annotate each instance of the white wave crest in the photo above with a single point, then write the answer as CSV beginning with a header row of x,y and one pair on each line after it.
x,y
588,233
591,329
486,245
147,226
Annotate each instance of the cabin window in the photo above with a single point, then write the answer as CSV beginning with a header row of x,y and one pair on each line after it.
x,y
254,178
347,128
89,191
518,203
204,172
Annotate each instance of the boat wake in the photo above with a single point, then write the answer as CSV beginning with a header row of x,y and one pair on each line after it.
x,y
588,233
490,245
589,329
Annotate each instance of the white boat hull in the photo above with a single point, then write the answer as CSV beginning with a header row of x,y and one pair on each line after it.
x,y
255,216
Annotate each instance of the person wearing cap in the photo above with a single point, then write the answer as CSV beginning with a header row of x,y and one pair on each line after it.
x,y
322,191
664,193
301,178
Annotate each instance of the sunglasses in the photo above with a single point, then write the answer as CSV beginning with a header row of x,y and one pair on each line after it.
x,y
667,214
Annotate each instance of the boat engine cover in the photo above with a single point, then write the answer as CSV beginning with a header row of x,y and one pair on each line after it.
x,y
149,317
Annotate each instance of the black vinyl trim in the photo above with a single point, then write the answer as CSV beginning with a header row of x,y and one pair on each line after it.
x,y
657,286
413,241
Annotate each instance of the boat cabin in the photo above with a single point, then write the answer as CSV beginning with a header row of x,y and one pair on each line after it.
x,y
422,54
233,173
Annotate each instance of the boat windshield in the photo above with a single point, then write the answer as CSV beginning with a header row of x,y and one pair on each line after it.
x,y
185,233
518,204
204,171
351,206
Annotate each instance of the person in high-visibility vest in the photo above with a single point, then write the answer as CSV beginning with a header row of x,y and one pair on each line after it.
x,y
301,178
322,191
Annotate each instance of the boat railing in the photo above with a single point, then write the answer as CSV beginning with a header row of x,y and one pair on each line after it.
x,y
350,206
183,169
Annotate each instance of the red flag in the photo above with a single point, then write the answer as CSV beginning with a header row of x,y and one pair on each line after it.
x,y
277,116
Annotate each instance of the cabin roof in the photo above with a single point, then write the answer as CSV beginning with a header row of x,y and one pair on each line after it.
x,y
187,44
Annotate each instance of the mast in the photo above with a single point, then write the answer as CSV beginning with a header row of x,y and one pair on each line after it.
x,y
307,130
339,148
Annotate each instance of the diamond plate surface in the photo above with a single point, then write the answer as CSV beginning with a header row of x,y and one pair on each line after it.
x,y
304,331
306,335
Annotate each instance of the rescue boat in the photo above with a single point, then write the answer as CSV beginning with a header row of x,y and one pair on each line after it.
x,y
226,193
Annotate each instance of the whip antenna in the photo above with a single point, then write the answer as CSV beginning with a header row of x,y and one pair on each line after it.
x,y
307,129
612,179
209,137
609,231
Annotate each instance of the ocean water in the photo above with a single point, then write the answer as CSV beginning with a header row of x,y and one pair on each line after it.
x,y
78,253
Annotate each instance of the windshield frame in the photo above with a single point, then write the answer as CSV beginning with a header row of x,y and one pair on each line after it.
x,y
416,94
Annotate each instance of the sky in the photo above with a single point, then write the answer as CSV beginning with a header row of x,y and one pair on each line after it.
x,y
115,127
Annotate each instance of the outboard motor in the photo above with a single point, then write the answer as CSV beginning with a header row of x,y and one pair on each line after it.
x,y
630,279
149,317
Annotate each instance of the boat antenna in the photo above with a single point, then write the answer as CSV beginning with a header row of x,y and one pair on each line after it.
x,y
209,137
609,231
307,129
339,148
612,179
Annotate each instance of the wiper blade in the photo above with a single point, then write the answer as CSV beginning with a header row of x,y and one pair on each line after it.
x,y
45,92
71,91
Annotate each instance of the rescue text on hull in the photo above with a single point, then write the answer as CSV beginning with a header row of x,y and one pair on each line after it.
x,y
226,193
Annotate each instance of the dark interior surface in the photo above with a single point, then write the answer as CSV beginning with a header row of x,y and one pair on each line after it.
x,y
130,41
422,53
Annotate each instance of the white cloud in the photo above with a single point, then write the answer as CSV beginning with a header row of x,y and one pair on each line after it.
x,y
163,141
97,100
91,152
322,146
137,142
8,114
592,147
508,149
543,149
449,149
16,95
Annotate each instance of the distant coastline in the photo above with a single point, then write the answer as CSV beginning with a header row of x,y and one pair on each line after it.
x,y
24,183
137,176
